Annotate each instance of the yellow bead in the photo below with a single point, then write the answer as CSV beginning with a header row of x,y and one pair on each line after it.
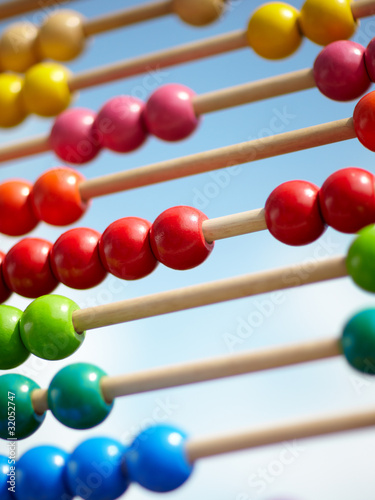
x,y
198,12
61,36
12,107
46,90
324,21
18,47
273,30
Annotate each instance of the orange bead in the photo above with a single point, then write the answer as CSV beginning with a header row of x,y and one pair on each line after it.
x,y
17,215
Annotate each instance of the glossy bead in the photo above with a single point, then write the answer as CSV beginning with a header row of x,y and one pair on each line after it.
x,y
347,199
13,110
46,90
169,113
55,196
5,292
7,473
75,397
94,469
292,213
26,420
17,214
125,249
18,47
119,125
75,258
40,473
325,22
364,120
360,261
370,59
273,30
358,341
156,459
13,352
340,71
47,330
177,238
198,12
61,36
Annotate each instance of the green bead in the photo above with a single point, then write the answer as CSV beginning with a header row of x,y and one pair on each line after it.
x,y
75,397
46,327
15,395
360,261
358,341
12,351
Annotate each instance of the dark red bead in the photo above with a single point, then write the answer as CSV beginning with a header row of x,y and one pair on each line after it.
x,y
5,292
364,120
177,238
17,214
292,213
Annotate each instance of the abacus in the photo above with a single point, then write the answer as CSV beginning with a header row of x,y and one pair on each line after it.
x,y
266,204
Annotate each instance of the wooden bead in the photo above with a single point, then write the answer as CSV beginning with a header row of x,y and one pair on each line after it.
x,y
198,12
18,47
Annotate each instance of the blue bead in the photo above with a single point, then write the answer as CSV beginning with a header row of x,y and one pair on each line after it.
x,y
94,469
156,459
6,478
358,341
40,474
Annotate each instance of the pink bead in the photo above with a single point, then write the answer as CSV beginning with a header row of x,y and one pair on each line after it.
x,y
370,59
72,136
169,113
119,124
340,71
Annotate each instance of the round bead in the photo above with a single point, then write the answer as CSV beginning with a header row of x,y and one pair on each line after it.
x,y
119,124
370,59
13,110
292,213
18,47
325,22
7,473
72,137
55,196
125,249
364,120
340,71
347,199
17,214
358,341
61,36
94,469
13,352
198,12
5,292
156,459
75,397
47,330
273,30
177,238
26,420
75,258
360,261
46,90
169,113
40,473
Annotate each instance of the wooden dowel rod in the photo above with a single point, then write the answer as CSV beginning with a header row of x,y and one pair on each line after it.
x,y
234,225
207,293
28,147
363,8
18,7
39,400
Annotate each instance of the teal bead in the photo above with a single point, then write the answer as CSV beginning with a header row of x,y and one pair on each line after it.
x,y
26,421
360,261
12,351
358,341
47,330
75,397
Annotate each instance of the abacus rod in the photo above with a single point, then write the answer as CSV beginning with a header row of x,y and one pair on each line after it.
x,y
17,7
34,145
363,8
207,293
234,225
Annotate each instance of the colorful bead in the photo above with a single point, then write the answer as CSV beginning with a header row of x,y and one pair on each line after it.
x,y
18,47
119,124
325,22
46,89
360,261
18,389
292,213
125,249
370,59
340,71
47,330
7,473
13,110
198,12
156,459
5,292
55,196
75,397
347,199
169,113
364,120
358,341
273,30
75,258
17,214
177,238
94,469
13,352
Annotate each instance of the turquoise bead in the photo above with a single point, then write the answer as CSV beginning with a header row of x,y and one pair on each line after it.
x,y
360,261
12,353
75,397
358,341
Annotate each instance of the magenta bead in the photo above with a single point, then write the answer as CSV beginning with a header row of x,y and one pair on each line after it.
x,y
169,112
340,71
370,59
72,136
119,124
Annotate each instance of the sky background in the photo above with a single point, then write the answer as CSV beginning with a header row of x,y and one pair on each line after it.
x,y
324,468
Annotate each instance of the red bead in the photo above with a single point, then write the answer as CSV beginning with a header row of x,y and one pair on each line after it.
x,y
347,199
370,59
5,292
177,238
125,249
56,198
364,120
292,213
17,214
75,259
27,270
